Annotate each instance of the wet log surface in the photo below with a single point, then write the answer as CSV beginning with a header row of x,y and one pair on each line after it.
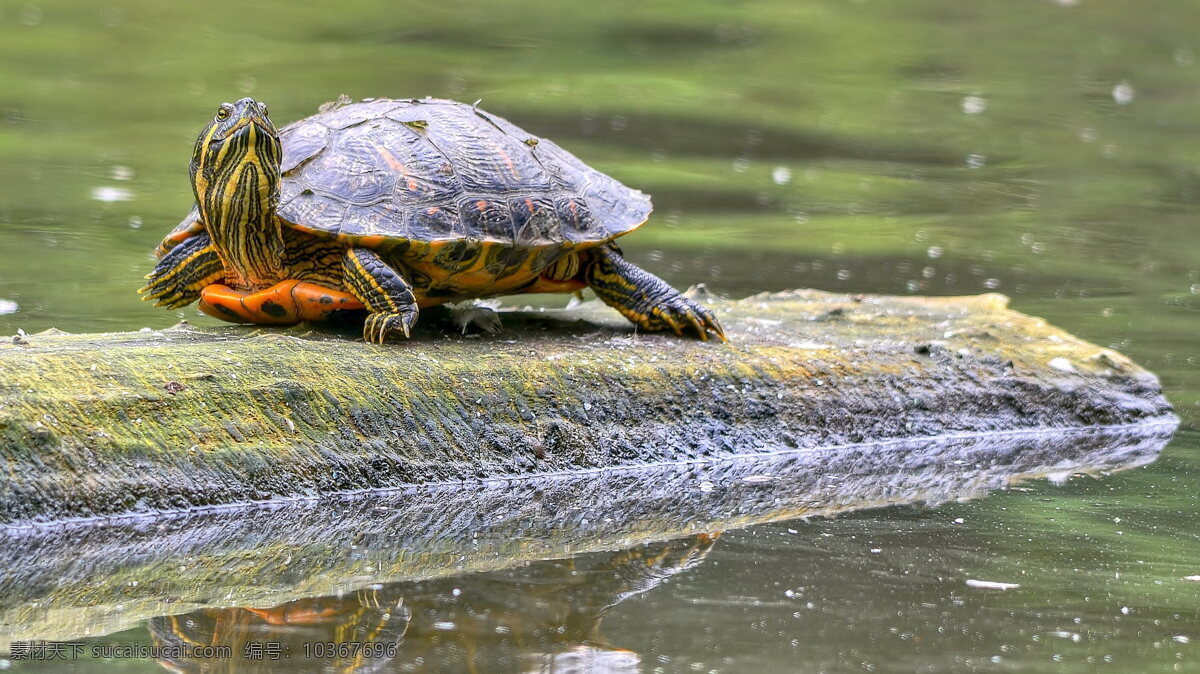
x,y
115,424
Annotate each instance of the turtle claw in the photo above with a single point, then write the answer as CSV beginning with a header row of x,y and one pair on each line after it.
x,y
679,312
379,325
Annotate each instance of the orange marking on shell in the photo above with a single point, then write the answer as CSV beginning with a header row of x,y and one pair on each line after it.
x,y
434,210
399,167
295,615
285,303
372,241
530,206
507,160
481,205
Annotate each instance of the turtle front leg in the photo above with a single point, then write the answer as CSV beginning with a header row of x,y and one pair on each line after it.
x,y
183,273
643,298
382,291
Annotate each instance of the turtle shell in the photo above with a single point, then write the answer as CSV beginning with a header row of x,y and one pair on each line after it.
x,y
436,171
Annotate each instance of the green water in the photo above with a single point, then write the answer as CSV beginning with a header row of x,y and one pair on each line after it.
x,y
1046,150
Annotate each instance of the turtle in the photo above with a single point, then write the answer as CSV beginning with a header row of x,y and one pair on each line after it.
x,y
393,206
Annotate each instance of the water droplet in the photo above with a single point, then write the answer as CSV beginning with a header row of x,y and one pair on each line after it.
x,y
934,252
1123,93
782,175
135,222
111,194
444,625
973,105
991,283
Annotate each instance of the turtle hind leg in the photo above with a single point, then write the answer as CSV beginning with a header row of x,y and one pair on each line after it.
x,y
382,291
643,298
183,273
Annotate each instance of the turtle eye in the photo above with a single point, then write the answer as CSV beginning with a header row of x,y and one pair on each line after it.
x,y
223,113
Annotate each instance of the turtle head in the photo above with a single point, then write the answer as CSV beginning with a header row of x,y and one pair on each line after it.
x,y
238,150
235,176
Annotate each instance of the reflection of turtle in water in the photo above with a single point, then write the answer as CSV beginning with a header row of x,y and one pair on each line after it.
x,y
545,616
394,206
366,616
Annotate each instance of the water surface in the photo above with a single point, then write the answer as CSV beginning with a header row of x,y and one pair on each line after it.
x,y
1046,150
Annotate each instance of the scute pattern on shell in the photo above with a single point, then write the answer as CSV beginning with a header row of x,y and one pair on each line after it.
x,y
432,170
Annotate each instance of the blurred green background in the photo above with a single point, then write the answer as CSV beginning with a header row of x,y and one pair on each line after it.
x,y
1046,150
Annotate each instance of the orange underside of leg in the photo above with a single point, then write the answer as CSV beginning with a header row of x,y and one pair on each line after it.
x,y
285,303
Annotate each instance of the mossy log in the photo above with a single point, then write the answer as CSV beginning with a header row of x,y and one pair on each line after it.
x,y
112,424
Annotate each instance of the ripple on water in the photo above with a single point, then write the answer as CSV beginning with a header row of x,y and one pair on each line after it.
x,y
8,307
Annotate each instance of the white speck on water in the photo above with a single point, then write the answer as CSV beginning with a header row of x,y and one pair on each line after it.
x,y
444,625
1181,639
1063,634
934,252
789,594
1088,134
1194,579
8,307
976,161
782,175
135,222
111,194
973,105
120,173
991,283
1125,610
1061,364
876,551
959,520
740,165
456,591
991,584
1123,92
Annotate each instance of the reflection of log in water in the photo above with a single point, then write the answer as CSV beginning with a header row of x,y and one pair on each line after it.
x,y
63,583
543,617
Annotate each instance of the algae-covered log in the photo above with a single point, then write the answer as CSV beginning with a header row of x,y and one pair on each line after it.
x,y
108,424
